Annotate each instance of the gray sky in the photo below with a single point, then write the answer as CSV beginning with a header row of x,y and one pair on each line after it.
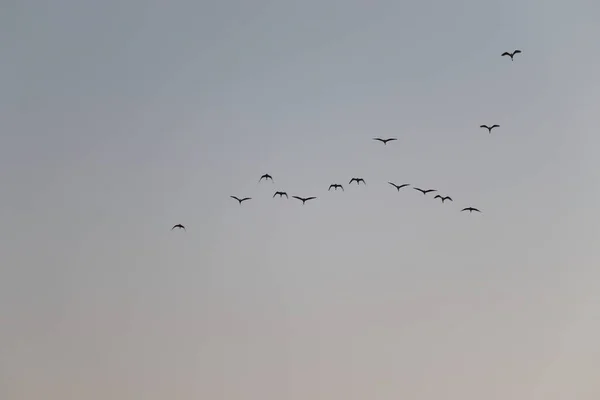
x,y
119,119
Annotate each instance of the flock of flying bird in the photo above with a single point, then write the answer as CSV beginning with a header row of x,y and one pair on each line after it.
x,y
336,186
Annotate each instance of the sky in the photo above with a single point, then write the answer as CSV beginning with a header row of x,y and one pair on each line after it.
x,y
119,119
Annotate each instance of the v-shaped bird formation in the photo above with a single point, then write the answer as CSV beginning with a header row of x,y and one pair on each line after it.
x,y
358,180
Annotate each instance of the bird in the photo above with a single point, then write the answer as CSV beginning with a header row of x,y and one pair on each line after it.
x,y
178,226
241,200
398,187
281,194
385,141
470,210
304,199
425,191
489,128
511,55
335,186
266,177
357,180
443,198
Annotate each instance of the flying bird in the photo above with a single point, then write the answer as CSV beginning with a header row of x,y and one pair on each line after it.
x,y
281,194
511,55
398,187
470,210
304,199
241,200
178,226
443,198
489,128
357,180
385,141
266,177
335,186
425,191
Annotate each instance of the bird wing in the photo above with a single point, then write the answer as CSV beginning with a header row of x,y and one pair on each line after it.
x,y
392,139
495,126
309,198
246,198
352,180
449,198
430,190
474,209
286,196
517,52
331,186
420,190
393,184
361,180
439,197
484,126
506,53
341,187
379,139
233,197
276,193
465,209
404,185
296,197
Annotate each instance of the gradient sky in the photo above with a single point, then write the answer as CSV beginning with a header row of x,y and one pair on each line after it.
x,y
119,119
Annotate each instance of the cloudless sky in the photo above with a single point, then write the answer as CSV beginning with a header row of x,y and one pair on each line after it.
x,y
119,119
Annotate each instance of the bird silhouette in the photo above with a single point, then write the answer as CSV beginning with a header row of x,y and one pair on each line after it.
x,y
470,210
304,199
281,194
178,226
335,186
425,191
398,187
357,180
443,198
511,55
489,128
385,141
241,200
266,177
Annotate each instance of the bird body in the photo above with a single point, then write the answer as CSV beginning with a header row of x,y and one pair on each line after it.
x,y
178,226
470,210
241,200
281,194
511,55
425,191
443,198
489,128
398,187
335,187
303,199
385,141
266,177
357,180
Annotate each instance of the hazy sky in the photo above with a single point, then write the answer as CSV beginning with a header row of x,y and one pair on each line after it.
x,y
119,119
